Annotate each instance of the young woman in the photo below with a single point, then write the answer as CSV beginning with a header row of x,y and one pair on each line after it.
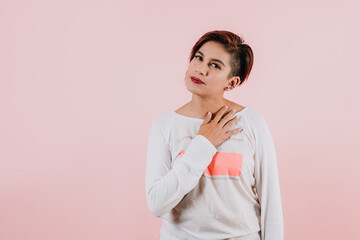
x,y
211,168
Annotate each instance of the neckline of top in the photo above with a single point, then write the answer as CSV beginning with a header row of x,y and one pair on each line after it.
x,y
200,119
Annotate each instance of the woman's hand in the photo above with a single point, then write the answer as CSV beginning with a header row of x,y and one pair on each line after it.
x,y
214,130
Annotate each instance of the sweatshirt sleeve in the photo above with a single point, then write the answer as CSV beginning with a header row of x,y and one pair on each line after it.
x,y
267,183
166,186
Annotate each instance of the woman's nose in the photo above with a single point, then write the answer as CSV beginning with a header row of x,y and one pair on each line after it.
x,y
201,69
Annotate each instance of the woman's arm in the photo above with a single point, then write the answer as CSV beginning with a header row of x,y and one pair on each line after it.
x,y
267,183
166,186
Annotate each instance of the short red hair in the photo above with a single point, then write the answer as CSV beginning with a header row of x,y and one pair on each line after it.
x,y
242,56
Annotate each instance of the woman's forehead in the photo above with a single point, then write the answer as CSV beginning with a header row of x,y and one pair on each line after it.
x,y
214,50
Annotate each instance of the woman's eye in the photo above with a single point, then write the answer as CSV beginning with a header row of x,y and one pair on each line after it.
x,y
199,57
217,66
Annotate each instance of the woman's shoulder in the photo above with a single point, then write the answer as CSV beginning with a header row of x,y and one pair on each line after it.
x,y
255,121
163,119
162,124
253,117
236,106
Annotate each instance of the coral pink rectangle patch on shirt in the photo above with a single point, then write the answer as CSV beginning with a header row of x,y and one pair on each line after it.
x,y
224,163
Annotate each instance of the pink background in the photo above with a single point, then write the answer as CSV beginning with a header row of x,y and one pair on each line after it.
x,y
82,81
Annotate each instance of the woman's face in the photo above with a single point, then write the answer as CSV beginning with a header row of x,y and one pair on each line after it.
x,y
211,64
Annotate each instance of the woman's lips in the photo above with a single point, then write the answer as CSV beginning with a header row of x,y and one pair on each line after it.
x,y
195,80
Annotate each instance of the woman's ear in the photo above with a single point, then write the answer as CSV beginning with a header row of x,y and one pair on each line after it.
x,y
235,81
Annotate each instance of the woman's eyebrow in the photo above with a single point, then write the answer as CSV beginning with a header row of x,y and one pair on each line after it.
x,y
214,59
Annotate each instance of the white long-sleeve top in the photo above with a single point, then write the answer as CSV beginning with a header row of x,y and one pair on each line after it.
x,y
205,192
